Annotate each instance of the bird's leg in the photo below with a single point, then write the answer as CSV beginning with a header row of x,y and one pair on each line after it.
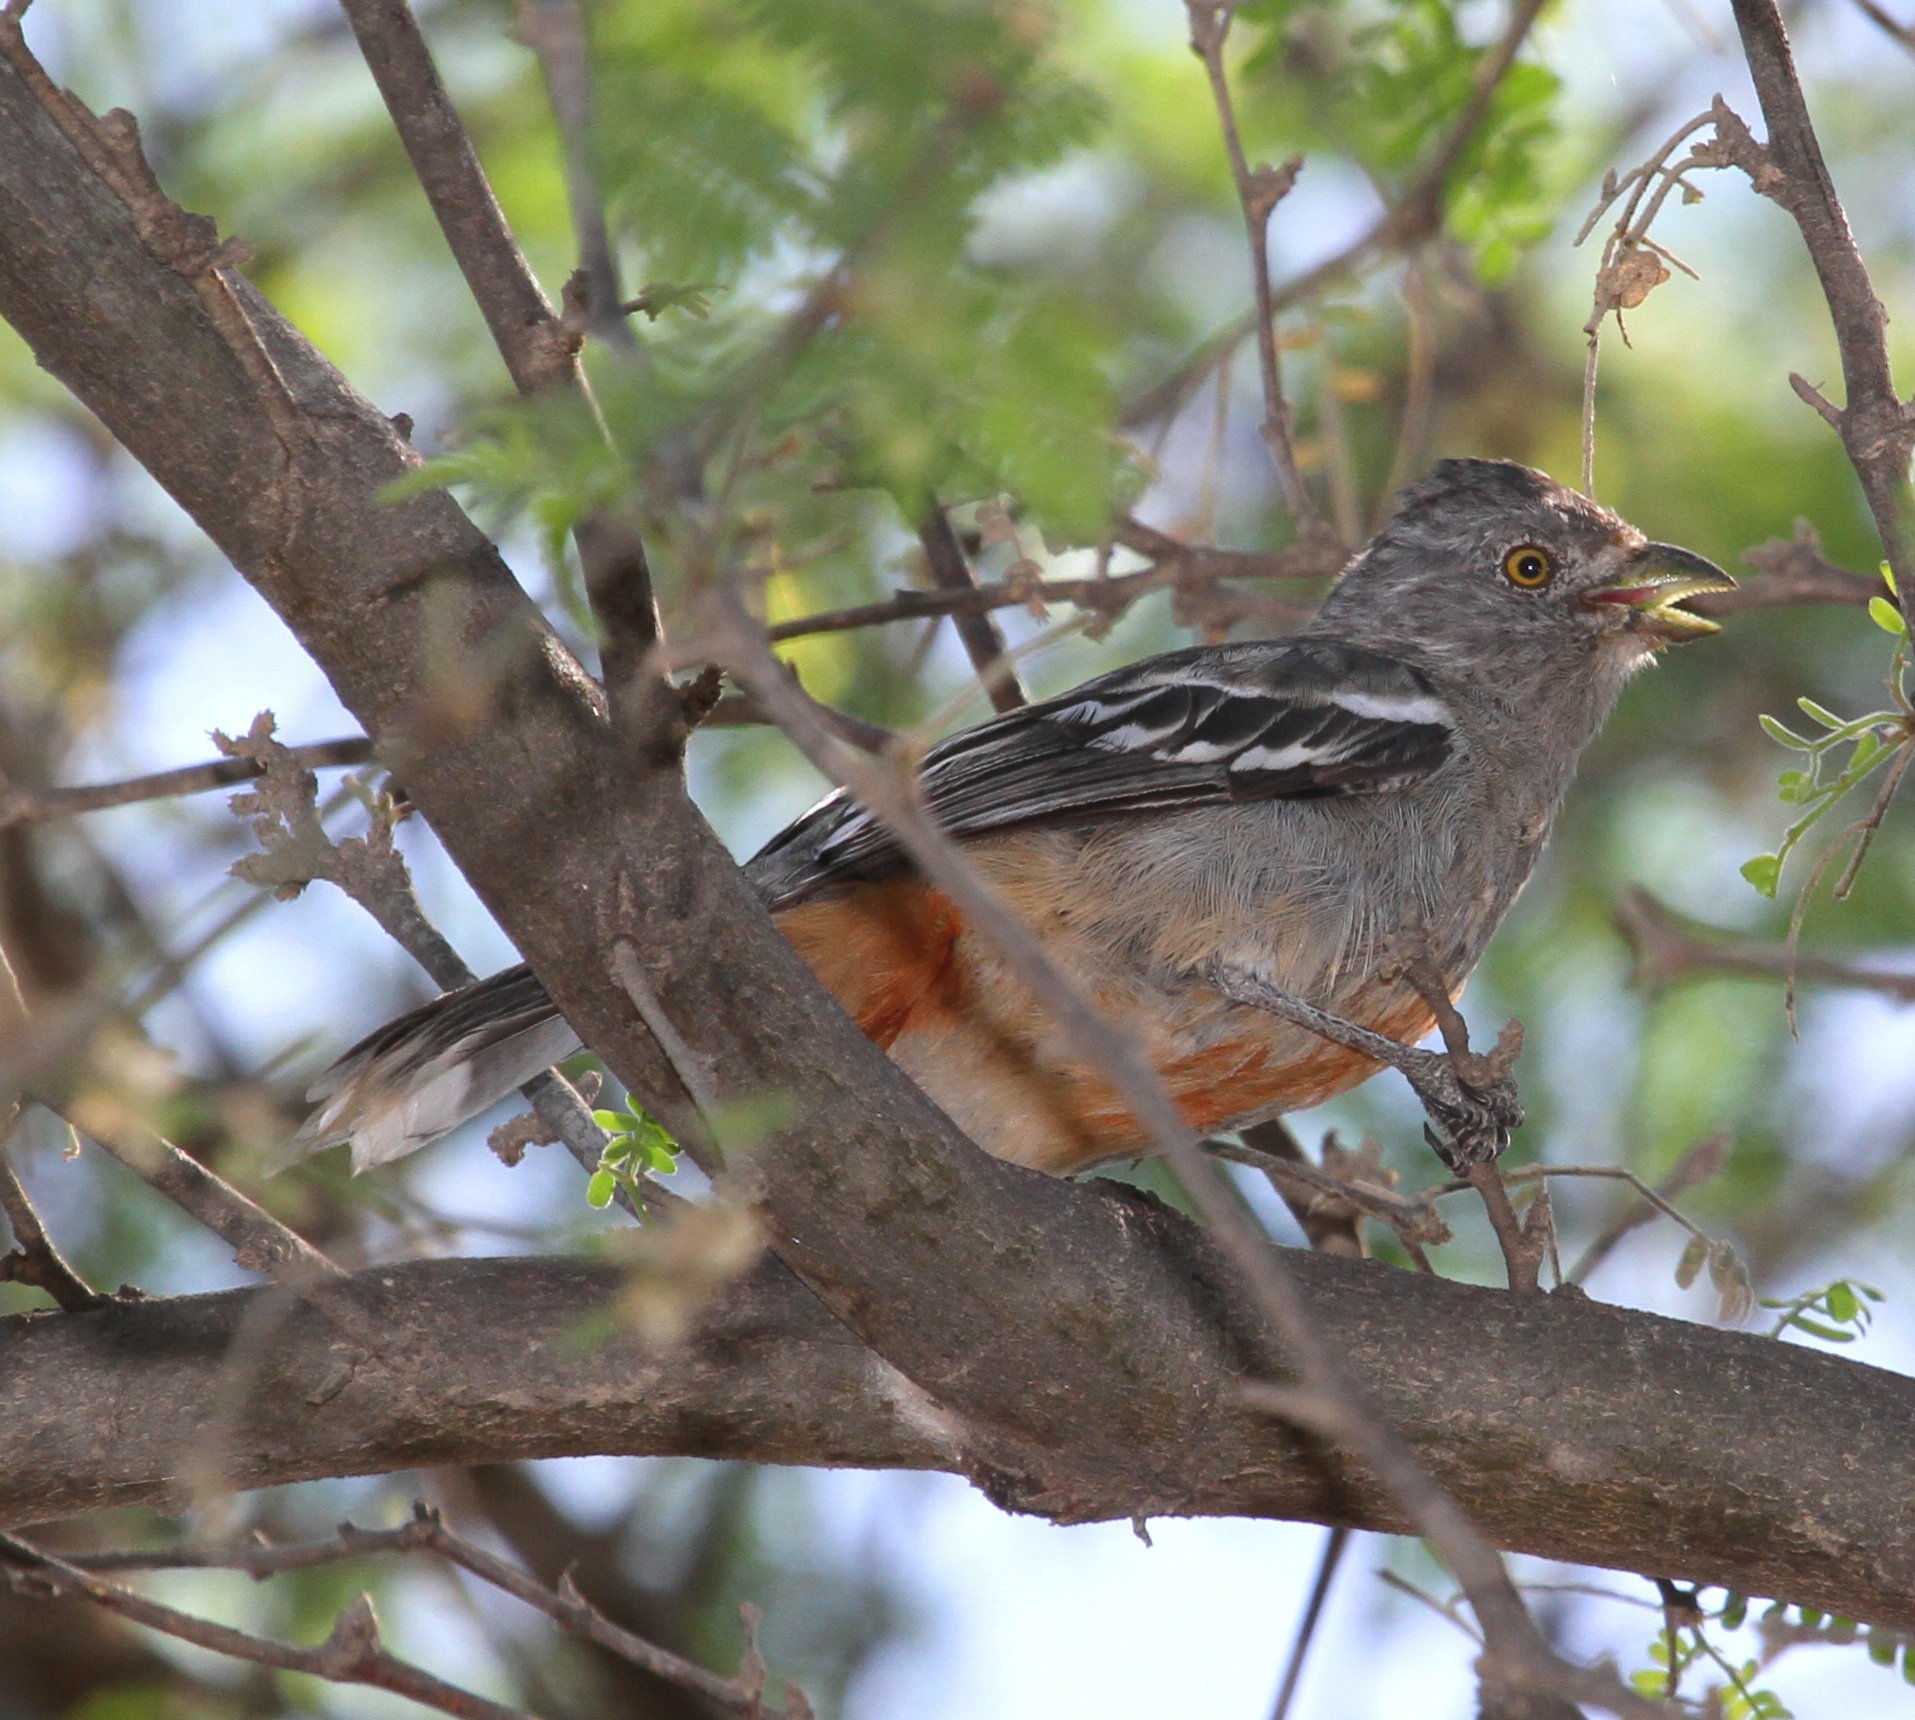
x,y
1469,1097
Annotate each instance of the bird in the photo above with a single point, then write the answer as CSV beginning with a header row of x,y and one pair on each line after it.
x,y
1287,809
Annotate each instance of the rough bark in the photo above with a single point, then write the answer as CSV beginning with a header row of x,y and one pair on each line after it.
x,y
1566,1428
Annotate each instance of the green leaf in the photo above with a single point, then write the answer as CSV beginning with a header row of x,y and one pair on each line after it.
x,y
599,1191
1735,1608
610,1121
1764,872
1691,1262
1841,1302
1908,1662
1887,617
1819,713
1783,735
1816,1329
1882,1648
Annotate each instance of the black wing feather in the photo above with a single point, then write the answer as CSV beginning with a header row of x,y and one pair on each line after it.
x,y
1209,726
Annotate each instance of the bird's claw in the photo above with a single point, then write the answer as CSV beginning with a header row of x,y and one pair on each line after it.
x,y
1468,1124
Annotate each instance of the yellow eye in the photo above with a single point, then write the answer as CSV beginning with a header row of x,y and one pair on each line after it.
x,y
1528,566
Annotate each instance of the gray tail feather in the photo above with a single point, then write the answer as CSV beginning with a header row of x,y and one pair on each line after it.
x,y
430,1070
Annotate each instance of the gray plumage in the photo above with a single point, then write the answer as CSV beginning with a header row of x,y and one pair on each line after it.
x,y
1290,806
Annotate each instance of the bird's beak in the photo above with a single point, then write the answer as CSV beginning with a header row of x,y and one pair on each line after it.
x,y
1655,581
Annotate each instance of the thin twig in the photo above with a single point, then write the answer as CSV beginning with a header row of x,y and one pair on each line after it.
x,y
618,576
951,570
295,848
1259,191
32,806
1701,1162
1332,1556
1884,21
260,1243
555,31
426,1532
1415,1221
352,1654
1877,429
1668,947
35,1260
537,348
1193,572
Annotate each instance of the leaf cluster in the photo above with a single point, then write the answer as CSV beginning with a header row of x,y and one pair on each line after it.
x,y
637,1145
1872,742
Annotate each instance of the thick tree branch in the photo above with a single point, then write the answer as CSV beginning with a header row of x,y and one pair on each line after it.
x,y
1566,1428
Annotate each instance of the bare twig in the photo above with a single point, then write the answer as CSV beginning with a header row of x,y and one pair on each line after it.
x,y
1883,20
1195,573
1701,1162
32,806
34,1260
260,1243
555,31
1788,571
1877,429
1419,391
951,570
1259,191
1332,1556
426,1532
537,348
352,1654
1323,1201
1668,947
618,577
1330,1219
295,849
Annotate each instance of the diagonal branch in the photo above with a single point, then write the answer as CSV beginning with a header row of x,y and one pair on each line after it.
x,y
951,571
537,348
1877,430
1518,1666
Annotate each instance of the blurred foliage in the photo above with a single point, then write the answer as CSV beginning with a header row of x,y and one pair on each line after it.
x,y
911,248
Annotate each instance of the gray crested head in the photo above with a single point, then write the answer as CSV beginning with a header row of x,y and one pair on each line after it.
x,y
1496,571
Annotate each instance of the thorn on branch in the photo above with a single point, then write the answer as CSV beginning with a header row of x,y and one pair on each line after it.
x,y
1830,413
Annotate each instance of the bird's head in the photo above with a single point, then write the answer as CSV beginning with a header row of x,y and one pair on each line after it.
x,y
1490,568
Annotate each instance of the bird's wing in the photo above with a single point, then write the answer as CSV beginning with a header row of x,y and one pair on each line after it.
x,y
1208,726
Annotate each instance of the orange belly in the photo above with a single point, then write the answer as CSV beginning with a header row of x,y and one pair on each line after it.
x,y
896,958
